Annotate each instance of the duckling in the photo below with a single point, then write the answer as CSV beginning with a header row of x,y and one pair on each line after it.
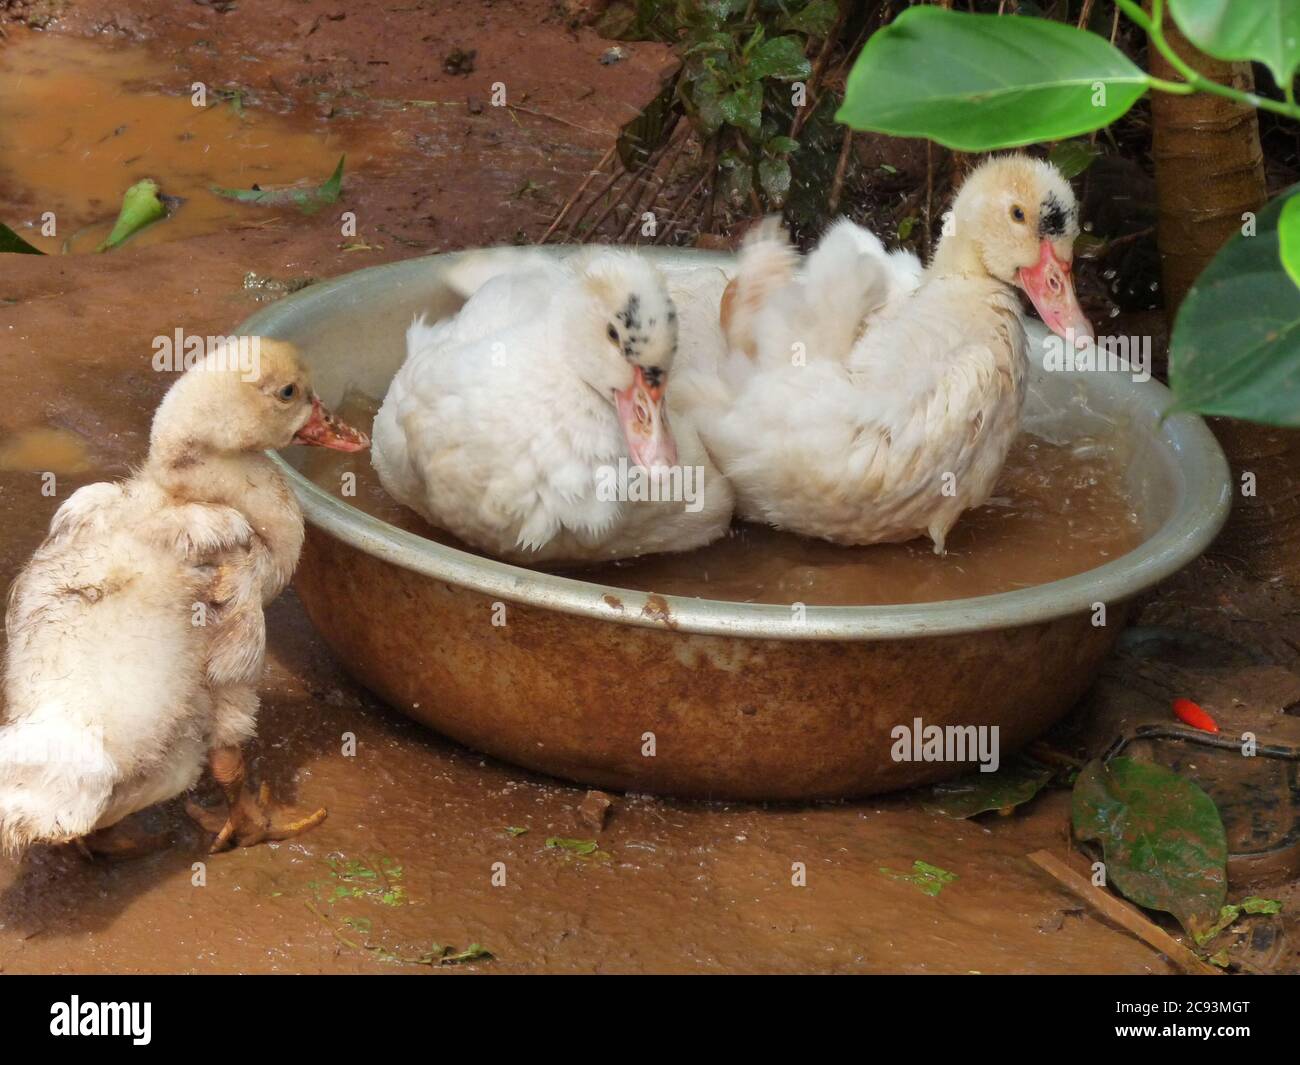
x,y
882,413
135,633
520,424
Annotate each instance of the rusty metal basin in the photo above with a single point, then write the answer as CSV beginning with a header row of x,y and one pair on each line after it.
x,y
704,698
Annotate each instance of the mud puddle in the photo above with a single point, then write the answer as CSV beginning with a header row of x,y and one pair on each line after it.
x,y
80,122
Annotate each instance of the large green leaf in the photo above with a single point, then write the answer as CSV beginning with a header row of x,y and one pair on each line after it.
x,y
979,82
1160,834
1236,344
1264,30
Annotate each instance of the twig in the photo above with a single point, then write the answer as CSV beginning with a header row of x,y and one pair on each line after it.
x,y
618,174
1123,915
658,188
557,118
640,181
568,205
837,184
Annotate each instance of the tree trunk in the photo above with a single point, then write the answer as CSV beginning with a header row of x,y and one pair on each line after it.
x,y
1209,172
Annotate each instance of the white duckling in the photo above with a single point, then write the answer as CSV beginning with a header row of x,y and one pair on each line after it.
x,y
534,424
135,632
878,404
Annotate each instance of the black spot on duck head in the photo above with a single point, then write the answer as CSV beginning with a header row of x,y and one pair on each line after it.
x,y
1053,217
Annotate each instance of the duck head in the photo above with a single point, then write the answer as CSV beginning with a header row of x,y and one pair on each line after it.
x,y
1016,219
626,347
249,394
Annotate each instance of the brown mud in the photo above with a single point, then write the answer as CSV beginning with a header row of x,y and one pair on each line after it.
x,y
416,824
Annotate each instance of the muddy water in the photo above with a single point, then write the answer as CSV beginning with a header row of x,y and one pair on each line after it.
x,y
80,123
1058,510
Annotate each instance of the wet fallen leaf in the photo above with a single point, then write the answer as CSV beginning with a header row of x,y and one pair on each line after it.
x,y
12,242
141,206
1161,837
308,201
1015,783
583,848
929,878
1228,915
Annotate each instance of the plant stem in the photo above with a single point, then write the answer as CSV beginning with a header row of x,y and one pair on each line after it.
x,y
1194,79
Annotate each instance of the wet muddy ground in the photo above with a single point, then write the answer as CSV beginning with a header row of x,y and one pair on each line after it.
x,y
423,843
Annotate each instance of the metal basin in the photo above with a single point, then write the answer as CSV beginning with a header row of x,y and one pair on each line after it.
x,y
695,697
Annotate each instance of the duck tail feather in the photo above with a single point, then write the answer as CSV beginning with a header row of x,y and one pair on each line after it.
x,y
765,265
475,269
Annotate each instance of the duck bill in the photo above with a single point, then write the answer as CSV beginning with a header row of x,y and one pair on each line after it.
x,y
644,417
322,429
1050,288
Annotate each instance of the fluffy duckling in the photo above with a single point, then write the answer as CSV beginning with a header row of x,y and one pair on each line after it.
x,y
535,424
136,634
868,402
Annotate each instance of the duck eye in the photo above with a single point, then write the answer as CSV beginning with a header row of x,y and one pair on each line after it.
x,y
612,333
288,391
1018,213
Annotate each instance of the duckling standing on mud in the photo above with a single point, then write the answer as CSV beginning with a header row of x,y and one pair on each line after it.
x,y
136,633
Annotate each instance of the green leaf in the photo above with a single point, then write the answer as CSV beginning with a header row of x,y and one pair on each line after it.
x,y
1235,349
1228,916
141,207
1264,30
781,145
781,57
979,82
1160,834
1288,234
774,177
707,100
977,793
1072,158
583,848
814,19
12,242
308,201
744,108
929,878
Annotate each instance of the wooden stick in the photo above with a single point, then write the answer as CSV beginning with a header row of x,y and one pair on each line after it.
x,y
1123,915
578,194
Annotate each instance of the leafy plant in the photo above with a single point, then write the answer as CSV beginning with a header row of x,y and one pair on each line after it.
x,y
739,59
981,82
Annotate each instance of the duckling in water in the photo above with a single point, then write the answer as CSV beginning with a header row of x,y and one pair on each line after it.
x,y
136,632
